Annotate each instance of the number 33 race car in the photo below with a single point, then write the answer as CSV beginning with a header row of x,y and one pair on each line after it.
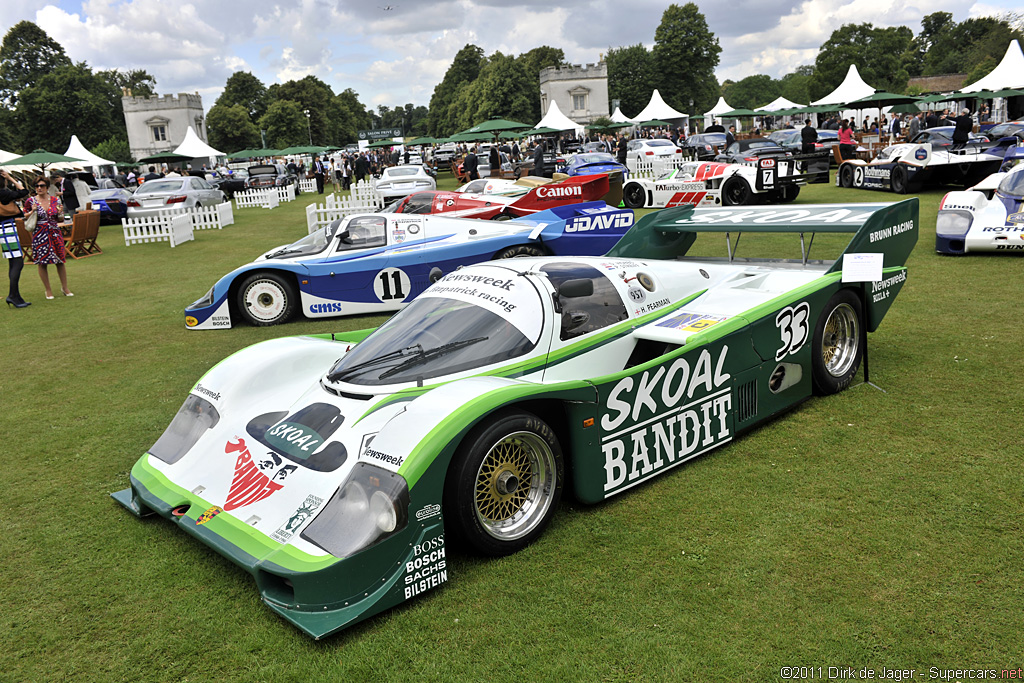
x,y
337,470
773,180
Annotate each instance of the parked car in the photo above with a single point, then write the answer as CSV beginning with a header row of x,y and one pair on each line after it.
x,y
271,175
234,181
378,262
1002,130
648,149
942,138
110,198
790,140
703,146
188,192
508,167
337,469
588,163
599,146
399,181
445,153
750,150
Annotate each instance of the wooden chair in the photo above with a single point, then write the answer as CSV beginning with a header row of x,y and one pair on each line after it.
x,y
461,176
85,226
837,154
25,238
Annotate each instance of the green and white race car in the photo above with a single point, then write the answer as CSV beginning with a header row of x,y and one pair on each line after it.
x,y
338,469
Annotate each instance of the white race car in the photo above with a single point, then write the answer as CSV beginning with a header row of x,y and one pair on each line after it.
x,y
710,183
987,217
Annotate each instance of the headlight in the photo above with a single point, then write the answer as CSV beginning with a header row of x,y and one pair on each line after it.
x,y
953,224
370,506
206,300
195,417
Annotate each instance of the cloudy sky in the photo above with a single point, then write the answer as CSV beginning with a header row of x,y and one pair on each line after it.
x,y
395,51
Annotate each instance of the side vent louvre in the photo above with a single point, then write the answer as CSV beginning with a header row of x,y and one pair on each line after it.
x,y
746,401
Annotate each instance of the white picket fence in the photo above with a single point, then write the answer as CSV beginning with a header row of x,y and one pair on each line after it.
x,y
307,184
365,193
286,193
267,199
655,168
334,208
161,227
167,226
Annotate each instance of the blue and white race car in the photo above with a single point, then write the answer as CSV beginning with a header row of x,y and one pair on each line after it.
x,y
988,216
378,262
591,163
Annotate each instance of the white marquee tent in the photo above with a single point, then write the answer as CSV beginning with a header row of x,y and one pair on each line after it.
x,y
1008,74
852,88
657,108
619,117
77,150
557,120
716,111
779,104
193,147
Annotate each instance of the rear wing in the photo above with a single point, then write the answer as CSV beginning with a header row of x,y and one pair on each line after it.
x,y
890,229
584,188
812,167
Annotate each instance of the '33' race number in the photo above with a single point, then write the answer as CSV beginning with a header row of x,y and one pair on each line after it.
x,y
792,324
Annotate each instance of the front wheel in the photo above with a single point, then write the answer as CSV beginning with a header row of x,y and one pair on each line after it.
x,y
736,192
504,484
520,251
846,175
267,299
836,347
633,196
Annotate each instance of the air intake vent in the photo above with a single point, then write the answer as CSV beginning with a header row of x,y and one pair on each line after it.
x,y
746,401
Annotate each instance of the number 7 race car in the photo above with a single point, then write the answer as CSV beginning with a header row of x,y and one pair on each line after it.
x,y
337,469
772,180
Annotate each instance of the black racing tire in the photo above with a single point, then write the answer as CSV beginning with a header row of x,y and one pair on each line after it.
x,y
501,217
634,196
517,173
520,251
504,483
836,348
846,175
788,193
898,179
267,298
736,192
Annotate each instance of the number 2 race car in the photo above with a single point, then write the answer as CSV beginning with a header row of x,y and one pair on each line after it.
x,y
772,180
373,263
987,217
338,469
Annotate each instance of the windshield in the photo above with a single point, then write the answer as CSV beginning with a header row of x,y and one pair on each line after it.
x,y
312,243
159,187
1013,184
660,143
401,172
595,158
468,319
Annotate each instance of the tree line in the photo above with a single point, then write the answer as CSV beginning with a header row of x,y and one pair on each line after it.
x,y
45,97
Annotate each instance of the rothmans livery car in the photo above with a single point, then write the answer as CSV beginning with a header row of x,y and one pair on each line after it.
x,y
718,184
910,167
987,217
375,263
338,469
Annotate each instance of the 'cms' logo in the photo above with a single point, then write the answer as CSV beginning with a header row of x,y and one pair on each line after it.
x,y
325,308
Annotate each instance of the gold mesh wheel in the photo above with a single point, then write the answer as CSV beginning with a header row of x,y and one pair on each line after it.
x,y
515,485
840,341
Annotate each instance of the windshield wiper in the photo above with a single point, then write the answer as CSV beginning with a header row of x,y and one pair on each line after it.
x,y
345,372
424,356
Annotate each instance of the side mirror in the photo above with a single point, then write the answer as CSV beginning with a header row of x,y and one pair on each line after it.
x,y
574,289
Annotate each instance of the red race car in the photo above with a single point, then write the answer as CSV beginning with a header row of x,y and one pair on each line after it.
x,y
512,205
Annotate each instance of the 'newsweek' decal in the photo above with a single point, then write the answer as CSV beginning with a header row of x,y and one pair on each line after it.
x,y
497,290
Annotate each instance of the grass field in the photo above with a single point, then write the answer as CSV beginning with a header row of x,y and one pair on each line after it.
x,y
868,529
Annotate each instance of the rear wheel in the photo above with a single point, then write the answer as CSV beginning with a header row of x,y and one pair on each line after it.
x,y
846,175
634,196
504,484
899,179
267,299
836,346
736,192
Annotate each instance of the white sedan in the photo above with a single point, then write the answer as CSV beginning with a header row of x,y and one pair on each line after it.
x,y
399,181
649,150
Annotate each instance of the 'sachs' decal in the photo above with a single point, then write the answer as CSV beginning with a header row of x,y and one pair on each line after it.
x,y
208,515
792,324
304,512
663,417
428,567
249,484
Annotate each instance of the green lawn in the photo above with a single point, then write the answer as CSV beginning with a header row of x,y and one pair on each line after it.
x,y
868,529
